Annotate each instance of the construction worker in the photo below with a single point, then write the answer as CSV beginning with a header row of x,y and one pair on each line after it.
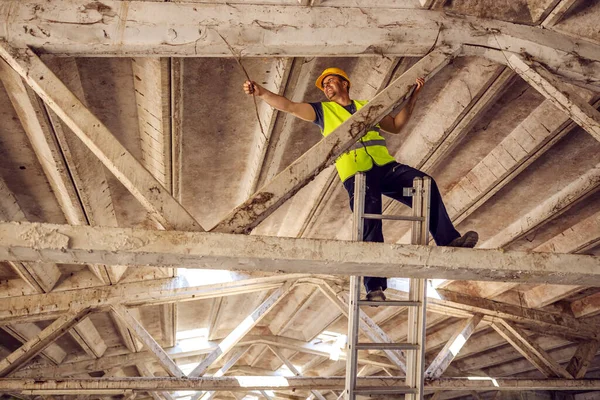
x,y
370,155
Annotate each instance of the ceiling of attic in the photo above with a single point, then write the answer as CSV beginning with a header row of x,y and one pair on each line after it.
x,y
531,152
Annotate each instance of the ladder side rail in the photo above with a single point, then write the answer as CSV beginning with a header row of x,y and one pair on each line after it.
x,y
416,320
354,310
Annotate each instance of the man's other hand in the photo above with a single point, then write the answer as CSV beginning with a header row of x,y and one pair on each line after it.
x,y
251,87
420,82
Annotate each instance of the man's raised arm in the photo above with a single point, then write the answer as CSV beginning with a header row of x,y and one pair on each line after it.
x,y
395,124
300,110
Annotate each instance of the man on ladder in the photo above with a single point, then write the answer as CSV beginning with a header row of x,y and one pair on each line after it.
x,y
370,155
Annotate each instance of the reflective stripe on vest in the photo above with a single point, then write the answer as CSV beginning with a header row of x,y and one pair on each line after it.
x,y
362,154
366,143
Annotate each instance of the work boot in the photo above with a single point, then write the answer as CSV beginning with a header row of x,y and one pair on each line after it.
x,y
468,240
376,295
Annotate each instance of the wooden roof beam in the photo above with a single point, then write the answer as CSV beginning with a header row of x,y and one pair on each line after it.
x,y
581,360
293,369
135,28
558,93
535,319
133,294
576,239
81,244
26,332
530,350
242,329
237,354
85,169
267,115
41,277
157,201
249,383
463,332
39,342
145,337
550,208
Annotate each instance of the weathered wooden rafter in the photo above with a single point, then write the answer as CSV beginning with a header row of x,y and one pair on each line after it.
x,y
135,28
464,331
558,93
145,337
135,294
157,200
581,360
530,350
249,383
82,244
40,341
242,329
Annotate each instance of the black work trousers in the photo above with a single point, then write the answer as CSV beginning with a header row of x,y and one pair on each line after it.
x,y
389,180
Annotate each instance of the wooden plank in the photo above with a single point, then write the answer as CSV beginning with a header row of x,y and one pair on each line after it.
x,y
242,329
530,350
578,237
123,360
134,294
129,338
293,369
84,168
39,276
587,306
25,332
557,13
581,360
558,93
550,322
152,96
82,244
135,28
237,354
249,383
86,334
159,203
39,342
463,332
550,208
38,129
162,357
289,181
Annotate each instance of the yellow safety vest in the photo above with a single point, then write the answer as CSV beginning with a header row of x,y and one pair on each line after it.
x,y
370,148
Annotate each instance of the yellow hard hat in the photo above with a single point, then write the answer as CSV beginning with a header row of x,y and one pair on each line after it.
x,y
331,71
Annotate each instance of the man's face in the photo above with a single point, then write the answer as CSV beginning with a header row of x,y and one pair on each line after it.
x,y
334,85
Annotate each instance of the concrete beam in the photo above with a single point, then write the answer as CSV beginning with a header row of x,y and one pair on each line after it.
x,y
83,244
152,195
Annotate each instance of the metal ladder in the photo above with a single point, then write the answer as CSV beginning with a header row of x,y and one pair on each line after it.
x,y
414,347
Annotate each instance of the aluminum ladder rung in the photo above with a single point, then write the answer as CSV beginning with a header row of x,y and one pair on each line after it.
x,y
387,346
390,303
393,217
366,391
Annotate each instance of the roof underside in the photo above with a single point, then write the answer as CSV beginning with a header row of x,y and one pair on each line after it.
x,y
502,155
